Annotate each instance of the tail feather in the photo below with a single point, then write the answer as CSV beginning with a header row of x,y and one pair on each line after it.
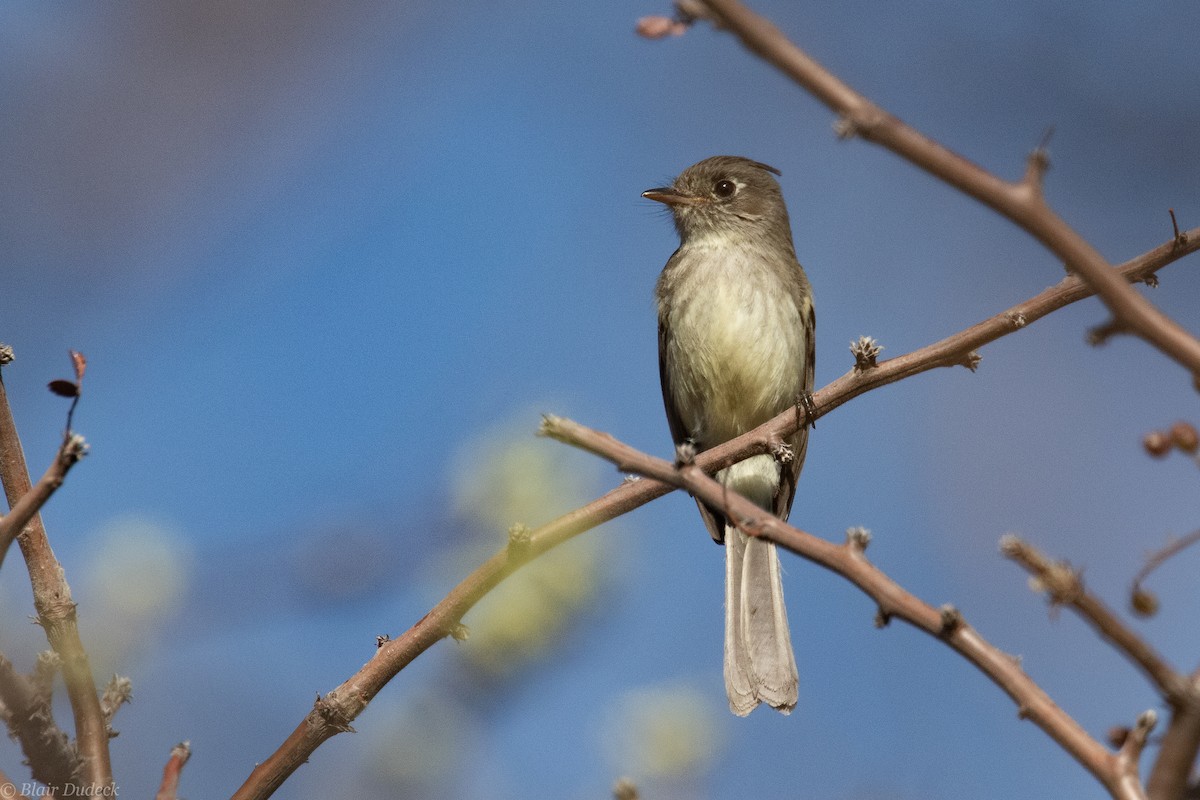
x,y
760,666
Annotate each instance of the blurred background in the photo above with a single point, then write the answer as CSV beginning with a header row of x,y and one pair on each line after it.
x,y
330,261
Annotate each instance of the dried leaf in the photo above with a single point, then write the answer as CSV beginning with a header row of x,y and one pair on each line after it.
x,y
64,388
80,365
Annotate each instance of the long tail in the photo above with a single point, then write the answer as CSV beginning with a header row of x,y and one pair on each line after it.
x,y
760,666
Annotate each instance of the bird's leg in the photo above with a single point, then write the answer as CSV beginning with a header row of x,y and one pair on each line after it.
x,y
804,400
685,453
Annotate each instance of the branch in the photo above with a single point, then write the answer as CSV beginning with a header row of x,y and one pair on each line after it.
x,y
1021,202
333,713
1064,586
1177,749
55,608
849,561
1176,754
1153,562
169,788
28,716
13,523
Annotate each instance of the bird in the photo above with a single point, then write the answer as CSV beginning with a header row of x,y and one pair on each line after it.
x,y
736,347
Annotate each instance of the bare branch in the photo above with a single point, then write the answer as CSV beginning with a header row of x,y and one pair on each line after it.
x,y
847,560
13,523
169,788
1131,752
1176,754
1021,202
56,609
48,751
1064,586
393,655
1143,601
117,693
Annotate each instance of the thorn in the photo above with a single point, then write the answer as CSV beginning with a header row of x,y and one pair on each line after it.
x,y
1181,239
1044,144
882,618
1038,162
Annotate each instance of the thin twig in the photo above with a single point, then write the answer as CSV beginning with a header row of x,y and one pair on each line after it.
x,y
895,602
1020,202
333,713
1065,587
1161,556
14,522
169,788
56,611
1130,754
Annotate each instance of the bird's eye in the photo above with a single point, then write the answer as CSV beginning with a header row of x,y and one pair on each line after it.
x,y
724,188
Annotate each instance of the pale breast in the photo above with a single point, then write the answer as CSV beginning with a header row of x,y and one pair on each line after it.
x,y
736,342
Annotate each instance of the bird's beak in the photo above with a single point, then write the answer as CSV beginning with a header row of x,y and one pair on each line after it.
x,y
670,197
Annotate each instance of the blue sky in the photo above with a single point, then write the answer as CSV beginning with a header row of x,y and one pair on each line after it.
x,y
317,253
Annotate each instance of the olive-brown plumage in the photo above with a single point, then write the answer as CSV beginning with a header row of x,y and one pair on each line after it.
x,y
735,332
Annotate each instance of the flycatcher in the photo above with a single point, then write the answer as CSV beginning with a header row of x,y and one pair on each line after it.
x,y
735,348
